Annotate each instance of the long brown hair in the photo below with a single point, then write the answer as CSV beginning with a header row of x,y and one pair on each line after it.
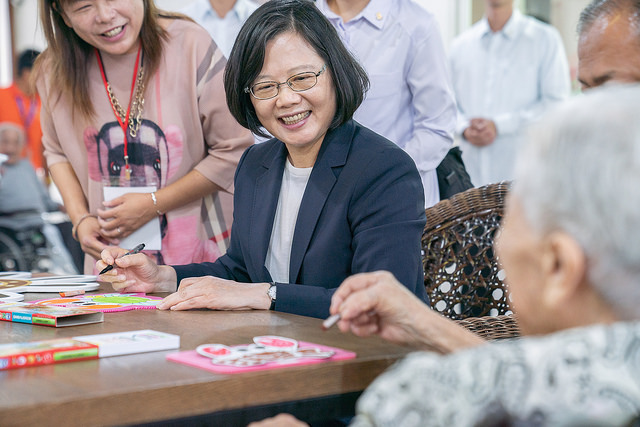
x,y
67,56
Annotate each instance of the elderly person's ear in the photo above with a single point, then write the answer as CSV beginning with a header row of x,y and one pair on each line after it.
x,y
564,267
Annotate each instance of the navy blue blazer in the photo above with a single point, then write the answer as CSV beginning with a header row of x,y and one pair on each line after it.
x,y
362,211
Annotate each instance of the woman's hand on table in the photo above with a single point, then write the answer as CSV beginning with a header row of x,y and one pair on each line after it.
x,y
217,294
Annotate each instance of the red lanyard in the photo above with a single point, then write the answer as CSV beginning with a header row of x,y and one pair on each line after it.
x,y
26,116
124,124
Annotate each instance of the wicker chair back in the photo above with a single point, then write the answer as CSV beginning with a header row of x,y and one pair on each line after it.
x,y
462,275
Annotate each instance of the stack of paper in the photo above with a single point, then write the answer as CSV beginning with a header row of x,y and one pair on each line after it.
x,y
25,282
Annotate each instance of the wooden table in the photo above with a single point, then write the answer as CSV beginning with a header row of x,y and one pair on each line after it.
x,y
146,388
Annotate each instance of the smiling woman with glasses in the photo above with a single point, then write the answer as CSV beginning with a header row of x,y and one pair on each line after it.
x,y
323,199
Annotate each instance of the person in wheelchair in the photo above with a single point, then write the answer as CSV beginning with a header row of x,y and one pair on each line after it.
x,y
27,241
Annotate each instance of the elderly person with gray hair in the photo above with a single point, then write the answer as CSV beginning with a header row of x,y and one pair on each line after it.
x,y
570,248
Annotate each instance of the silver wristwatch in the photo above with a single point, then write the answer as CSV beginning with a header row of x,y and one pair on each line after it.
x,y
272,294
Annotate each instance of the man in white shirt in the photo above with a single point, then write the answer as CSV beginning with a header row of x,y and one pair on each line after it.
x,y
506,69
221,18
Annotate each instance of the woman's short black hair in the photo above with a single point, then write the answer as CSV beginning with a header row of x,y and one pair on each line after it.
x,y
302,17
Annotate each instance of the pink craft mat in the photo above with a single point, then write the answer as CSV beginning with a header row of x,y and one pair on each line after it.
x,y
192,358
106,303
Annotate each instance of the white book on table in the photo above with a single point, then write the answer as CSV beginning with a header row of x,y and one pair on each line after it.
x,y
128,342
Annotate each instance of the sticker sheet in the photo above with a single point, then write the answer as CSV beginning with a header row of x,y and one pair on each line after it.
x,y
105,302
266,352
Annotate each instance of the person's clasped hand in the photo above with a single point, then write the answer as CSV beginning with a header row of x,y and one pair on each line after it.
x,y
481,132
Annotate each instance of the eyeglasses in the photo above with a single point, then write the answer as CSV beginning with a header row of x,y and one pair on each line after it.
x,y
298,83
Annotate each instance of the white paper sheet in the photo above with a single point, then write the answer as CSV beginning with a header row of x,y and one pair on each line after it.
x,y
149,234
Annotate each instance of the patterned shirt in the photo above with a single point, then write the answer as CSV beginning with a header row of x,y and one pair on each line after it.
x,y
584,376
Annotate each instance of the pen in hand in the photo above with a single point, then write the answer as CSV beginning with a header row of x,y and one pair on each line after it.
x,y
131,252
335,318
330,321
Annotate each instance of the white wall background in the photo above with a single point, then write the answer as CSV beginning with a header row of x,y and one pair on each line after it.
x,y
453,16
26,25
6,63
564,16
172,4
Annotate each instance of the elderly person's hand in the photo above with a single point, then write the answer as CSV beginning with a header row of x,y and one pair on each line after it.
x,y
377,304
217,294
135,272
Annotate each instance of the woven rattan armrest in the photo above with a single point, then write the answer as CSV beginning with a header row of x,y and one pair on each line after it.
x,y
492,327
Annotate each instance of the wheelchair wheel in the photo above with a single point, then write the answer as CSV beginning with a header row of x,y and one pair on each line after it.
x,y
11,258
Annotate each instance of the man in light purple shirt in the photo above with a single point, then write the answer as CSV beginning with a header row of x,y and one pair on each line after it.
x,y
221,18
410,100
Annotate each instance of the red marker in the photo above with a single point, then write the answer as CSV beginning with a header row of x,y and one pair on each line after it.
x,y
71,293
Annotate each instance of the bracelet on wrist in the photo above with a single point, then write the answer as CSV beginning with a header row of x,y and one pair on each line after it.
x,y
155,203
74,229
